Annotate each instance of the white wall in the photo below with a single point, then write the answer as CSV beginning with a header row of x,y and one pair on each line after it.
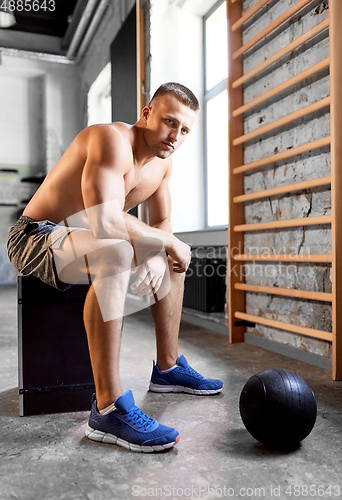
x,y
40,114
177,55
21,142
53,109
100,98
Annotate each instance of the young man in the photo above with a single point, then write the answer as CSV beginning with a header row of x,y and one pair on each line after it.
x,y
107,170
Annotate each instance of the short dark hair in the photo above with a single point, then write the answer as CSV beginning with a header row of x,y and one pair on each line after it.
x,y
180,92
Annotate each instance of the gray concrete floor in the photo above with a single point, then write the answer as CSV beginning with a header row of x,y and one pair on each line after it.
x,y
47,457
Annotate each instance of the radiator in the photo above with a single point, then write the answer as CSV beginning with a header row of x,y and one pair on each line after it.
x,y
205,285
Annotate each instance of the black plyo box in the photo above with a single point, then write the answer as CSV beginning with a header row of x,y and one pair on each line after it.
x,y
55,372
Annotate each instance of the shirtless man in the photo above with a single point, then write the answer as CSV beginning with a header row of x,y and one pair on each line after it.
x,y
107,170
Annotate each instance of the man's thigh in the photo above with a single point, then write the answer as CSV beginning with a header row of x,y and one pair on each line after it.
x,y
81,254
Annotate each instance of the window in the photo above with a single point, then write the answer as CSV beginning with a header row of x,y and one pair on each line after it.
x,y
99,98
216,114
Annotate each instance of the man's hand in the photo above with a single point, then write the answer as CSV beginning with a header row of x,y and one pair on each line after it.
x,y
181,254
150,276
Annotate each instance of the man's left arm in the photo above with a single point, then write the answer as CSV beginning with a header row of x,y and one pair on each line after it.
x,y
159,209
159,205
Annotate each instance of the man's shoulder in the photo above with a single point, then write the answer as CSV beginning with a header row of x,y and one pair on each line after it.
x,y
110,140
117,132
105,145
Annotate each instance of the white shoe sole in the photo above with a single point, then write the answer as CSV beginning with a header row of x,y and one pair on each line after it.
x,y
180,388
104,437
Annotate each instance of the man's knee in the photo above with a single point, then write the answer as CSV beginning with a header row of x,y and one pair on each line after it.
x,y
123,252
112,259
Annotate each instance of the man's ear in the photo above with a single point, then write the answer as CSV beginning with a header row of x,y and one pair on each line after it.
x,y
146,112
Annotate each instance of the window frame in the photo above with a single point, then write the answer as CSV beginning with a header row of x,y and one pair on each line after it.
x,y
207,96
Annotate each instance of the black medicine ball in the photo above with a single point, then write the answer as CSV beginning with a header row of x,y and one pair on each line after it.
x,y
278,408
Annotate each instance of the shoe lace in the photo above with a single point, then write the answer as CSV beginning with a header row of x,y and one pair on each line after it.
x,y
191,371
140,418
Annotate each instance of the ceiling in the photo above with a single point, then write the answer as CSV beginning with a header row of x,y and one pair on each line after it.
x,y
50,29
51,21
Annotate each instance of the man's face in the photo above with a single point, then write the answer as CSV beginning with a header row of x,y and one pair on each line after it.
x,y
168,123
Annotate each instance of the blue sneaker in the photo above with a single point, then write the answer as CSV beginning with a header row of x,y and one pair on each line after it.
x,y
183,378
129,427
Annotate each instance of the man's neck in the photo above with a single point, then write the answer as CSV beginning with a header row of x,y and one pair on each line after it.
x,y
141,151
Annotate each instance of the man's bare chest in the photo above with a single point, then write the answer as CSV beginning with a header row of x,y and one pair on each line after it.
x,y
139,186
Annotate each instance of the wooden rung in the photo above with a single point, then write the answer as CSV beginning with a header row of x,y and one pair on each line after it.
x,y
250,13
283,121
309,221
284,258
310,332
283,52
283,86
271,27
302,294
326,141
298,186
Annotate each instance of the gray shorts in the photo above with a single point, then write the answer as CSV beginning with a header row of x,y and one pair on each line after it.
x,y
30,248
